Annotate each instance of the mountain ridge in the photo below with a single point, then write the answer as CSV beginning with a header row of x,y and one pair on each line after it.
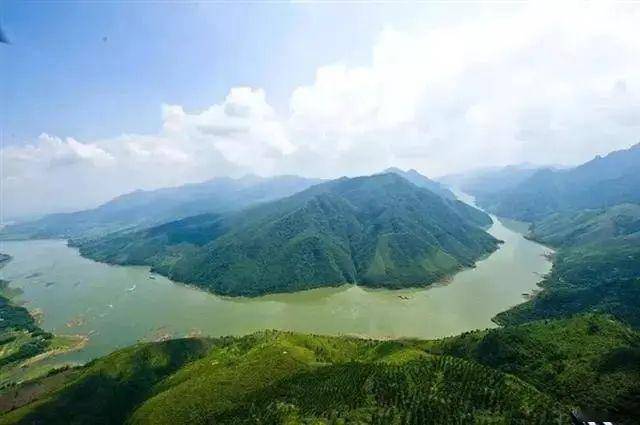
x,y
601,182
378,230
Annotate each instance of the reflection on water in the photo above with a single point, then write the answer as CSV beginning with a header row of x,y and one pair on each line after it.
x,y
118,306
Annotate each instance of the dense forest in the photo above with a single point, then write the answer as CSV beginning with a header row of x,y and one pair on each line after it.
x,y
376,231
596,267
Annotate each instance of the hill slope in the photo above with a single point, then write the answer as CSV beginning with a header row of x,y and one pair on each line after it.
x,y
277,377
147,208
601,182
588,361
596,268
528,374
376,231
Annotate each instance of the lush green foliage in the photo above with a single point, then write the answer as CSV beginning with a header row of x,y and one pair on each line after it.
x,y
602,182
146,208
590,361
376,231
596,268
277,377
588,226
532,373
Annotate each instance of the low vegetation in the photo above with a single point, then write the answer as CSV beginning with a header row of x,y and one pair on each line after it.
x,y
22,341
527,374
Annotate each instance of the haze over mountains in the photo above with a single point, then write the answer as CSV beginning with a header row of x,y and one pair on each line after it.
x,y
379,230
601,182
573,344
422,181
146,208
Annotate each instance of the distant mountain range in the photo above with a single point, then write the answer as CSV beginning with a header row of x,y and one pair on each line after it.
x,y
487,181
601,182
380,230
148,208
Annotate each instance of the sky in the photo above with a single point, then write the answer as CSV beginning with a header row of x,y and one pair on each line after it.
x,y
102,98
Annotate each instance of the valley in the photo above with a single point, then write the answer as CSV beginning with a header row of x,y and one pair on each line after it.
x,y
97,300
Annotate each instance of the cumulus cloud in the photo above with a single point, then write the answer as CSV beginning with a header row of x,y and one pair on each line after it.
x,y
237,136
550,83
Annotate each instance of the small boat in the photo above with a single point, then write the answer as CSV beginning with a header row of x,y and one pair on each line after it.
x,y
133,288
152,277
110,305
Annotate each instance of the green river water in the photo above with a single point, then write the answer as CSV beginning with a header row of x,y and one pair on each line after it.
x,y
118,306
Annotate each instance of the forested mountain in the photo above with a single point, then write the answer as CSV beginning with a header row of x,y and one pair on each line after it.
x,y
529,374
596,267
603,225
421,181
147,208
379,230
601,182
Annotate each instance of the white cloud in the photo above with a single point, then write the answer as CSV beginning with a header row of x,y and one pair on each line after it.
x,y
552,83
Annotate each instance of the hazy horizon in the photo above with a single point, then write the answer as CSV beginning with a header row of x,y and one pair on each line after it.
x,y
103,100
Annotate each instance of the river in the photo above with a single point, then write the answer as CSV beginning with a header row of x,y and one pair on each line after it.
x,y
120,305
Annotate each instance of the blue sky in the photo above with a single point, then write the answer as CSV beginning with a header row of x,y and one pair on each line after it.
x,y
99,98
62,78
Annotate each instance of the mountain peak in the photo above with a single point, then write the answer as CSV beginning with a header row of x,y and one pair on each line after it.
x,y
422,181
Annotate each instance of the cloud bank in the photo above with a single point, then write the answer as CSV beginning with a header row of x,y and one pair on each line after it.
x,y
548,84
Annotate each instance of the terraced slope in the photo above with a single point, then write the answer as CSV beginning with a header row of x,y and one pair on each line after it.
x,y
275,377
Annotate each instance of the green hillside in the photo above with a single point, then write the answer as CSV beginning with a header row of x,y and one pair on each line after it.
x,y
599,183
590,361
588,226
529,374
275,377
596,267
375,231
147,208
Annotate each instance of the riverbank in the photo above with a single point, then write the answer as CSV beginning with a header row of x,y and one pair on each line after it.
x,y
85,297
24,345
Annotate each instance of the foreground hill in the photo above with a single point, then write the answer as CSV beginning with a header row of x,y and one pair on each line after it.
x,y
375,231
601,182
596,267
530,374
147,208
589,361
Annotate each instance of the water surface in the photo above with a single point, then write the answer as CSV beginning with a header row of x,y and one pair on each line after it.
x,y
119,305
